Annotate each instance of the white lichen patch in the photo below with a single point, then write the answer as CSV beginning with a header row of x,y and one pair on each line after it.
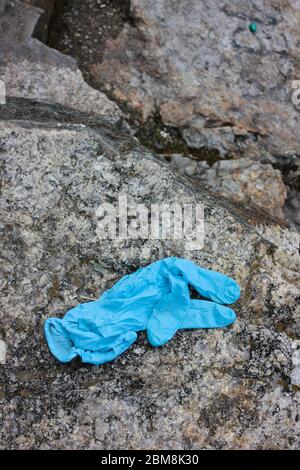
x,y
2,352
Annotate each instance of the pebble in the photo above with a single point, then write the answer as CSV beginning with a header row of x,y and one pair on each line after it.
x,y
190,169
138,351
2,352
164,134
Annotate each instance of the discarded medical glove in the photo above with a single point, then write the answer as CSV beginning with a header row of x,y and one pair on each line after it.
x,y
155,298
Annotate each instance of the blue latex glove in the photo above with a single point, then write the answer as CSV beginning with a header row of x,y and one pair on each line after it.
x,y
155,298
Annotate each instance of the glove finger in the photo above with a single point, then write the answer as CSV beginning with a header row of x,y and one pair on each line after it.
x,y
168,314
118,347
59,342
211,284
205,314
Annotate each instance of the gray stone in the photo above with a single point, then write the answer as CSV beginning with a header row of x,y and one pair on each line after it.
x,y
213,389
31,69
2,352
2,6
243,181
295,375
41,28
291,175
249,182
197,64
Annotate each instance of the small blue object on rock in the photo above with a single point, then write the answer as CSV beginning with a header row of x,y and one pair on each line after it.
x,y
155,298
252,27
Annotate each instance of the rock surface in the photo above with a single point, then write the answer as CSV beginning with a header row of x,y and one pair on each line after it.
x,y
243,180
291,175
2,352
2,6
53,76
80,29
31,69
211,389
198,65
41,29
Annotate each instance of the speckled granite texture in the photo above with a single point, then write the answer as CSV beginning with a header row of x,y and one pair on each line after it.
x,y
236,387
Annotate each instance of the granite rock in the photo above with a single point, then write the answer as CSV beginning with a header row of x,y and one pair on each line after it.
x,y
197,64
197,67
41,28
242,180
164,51
2,352
31,69
233,388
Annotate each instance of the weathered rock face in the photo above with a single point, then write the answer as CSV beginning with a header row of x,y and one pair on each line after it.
x,y
80,29
41,29
241,180
135,76
199,66
230,388
2,6
291,175
34,70
31,69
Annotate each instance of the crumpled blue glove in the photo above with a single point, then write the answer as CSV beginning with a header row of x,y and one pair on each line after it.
x,y
155,298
